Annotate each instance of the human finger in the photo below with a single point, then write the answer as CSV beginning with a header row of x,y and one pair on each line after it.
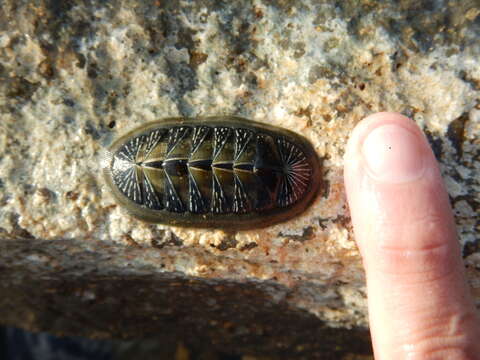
x,y
419,301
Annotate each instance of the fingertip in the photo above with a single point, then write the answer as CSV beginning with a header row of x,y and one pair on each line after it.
x,y
365,126
353,159
393,182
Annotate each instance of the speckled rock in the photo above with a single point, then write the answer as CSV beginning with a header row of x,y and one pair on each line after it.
x,y
76,75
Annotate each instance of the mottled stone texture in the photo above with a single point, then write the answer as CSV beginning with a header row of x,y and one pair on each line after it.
x,y
76,75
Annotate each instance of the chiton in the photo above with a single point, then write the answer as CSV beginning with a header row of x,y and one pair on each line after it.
x,y
217,172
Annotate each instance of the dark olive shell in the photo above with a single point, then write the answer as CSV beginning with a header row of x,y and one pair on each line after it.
x,y
218,172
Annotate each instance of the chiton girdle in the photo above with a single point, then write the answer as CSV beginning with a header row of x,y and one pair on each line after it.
x,y
217,172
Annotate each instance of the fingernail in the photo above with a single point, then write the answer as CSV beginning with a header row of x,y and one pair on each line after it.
x,y
394,154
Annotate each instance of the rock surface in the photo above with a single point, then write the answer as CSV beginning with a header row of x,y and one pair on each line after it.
x,y
76,75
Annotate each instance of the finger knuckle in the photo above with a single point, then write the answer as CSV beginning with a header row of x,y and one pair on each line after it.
x,y
422,247
448,336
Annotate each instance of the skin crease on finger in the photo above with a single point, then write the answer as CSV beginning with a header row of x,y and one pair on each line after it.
x,y
419,301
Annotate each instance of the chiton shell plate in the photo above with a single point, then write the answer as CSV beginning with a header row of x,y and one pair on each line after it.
x,y
217,172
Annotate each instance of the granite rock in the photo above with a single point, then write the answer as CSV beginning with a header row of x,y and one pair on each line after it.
x,y
75,75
